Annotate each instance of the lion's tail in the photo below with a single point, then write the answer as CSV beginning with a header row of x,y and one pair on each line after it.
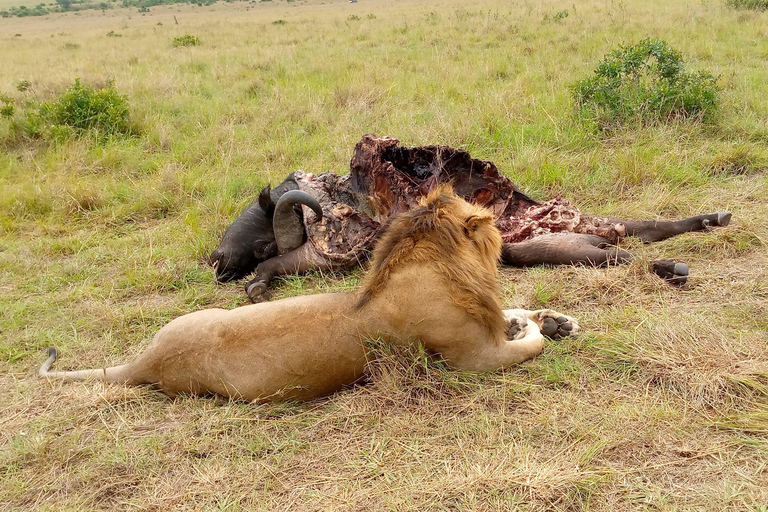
x,y
111,374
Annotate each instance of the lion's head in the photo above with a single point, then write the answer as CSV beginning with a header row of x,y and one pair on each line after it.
x,y
456,237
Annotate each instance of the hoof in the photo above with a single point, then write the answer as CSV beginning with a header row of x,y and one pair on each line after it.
x,y
673,272
556,327
723,219
257,291
717,219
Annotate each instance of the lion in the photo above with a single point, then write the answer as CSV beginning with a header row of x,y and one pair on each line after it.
x,y
433,280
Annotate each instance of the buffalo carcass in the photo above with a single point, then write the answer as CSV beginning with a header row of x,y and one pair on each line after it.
x,y
386,179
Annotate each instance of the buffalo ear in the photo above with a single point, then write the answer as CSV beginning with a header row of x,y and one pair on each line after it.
x,y
265,200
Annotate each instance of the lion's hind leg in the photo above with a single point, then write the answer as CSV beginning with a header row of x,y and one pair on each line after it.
x,y
551,323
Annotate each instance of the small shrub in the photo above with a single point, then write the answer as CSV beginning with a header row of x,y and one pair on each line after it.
x,y
645,82
112,33
82,108
353,17
186,40
6,109
757,5
279,22
23,85
557,17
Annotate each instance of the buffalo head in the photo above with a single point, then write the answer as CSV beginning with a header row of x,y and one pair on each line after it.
x,y
264,230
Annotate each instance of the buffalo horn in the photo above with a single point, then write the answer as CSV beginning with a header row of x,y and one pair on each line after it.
x,y
289,230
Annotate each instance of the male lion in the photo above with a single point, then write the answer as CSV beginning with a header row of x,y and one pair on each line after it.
x,y
432,280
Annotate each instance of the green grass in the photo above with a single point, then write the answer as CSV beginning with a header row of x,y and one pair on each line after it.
x,y
661,404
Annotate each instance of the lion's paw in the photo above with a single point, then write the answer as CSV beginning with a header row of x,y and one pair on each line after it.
x,y
515,327
556,325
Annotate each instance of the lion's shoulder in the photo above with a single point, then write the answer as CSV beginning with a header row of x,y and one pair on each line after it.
x,y
457,239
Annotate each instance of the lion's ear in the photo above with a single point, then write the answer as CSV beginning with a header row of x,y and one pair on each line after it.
x,y
471,224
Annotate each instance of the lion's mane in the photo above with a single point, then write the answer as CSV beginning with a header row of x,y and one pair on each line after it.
x,y
457,238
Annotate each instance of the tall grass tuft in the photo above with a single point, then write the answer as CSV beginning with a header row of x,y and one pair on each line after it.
x,y
757,5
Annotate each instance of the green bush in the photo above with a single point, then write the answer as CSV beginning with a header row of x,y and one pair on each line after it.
x,y
758,5
647,83
79,110
83,108
186,40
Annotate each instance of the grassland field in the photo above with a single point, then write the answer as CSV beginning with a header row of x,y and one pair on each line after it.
x,y
661,404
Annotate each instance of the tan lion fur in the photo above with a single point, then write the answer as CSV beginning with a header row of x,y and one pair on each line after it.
x,y
432,281
456,238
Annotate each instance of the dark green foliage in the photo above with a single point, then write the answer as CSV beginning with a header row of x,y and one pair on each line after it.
x,y
83,108
758,5
22,11
647,83
186,40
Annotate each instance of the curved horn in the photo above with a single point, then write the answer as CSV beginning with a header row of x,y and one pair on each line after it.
x,y
289,230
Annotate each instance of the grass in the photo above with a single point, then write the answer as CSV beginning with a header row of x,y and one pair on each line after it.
x,y
661,404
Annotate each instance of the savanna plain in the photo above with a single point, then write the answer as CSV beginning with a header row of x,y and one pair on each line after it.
x,y
661,403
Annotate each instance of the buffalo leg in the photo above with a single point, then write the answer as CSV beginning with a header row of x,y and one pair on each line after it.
x,y
653,231
298,261
575,248
673,272
563,249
